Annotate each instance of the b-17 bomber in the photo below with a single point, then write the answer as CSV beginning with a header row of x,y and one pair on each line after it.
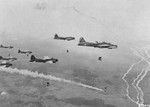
x,y
82,42
25,52
63,38
9,47
5,63
45,60
10,59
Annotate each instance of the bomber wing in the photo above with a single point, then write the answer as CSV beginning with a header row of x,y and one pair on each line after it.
x,y
46,57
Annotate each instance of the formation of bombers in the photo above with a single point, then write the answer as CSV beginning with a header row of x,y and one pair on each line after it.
x,y
7,61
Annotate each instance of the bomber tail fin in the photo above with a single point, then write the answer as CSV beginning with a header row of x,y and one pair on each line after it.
x,y
19,51
1,57
32,59
81,40
1,46
55,36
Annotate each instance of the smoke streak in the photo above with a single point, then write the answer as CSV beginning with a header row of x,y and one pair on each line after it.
x,y
139,91
41,75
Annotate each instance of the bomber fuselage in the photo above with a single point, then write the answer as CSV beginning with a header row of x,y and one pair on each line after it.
x,y
98,45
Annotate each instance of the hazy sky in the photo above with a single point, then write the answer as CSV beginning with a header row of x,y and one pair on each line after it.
x,y
43,18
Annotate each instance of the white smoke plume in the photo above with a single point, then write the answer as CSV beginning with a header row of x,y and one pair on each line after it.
x,y
41,75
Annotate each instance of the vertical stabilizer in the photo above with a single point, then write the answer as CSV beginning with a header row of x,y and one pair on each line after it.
x,y
32,59
81,40
19,51
55,36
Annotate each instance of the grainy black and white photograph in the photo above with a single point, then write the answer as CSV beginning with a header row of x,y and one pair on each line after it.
x,y
74,53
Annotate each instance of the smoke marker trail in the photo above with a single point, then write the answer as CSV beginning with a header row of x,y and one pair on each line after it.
x,y
148,56
41,75
135,52
136,83
140,78
127,89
